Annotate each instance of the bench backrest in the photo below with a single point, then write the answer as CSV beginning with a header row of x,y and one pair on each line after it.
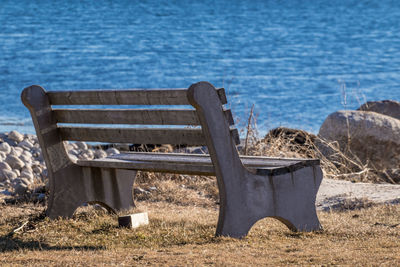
x,y
82,124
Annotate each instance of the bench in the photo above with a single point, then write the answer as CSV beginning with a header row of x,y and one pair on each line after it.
x,y
250,188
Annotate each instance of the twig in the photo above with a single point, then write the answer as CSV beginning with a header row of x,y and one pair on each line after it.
x,y
248,129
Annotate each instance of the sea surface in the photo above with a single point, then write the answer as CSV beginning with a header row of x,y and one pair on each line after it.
x,y
296,61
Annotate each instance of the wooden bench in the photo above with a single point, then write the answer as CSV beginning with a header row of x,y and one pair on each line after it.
x,y
250,188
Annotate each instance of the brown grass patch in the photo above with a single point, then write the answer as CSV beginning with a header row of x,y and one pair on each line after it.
x,y
184,235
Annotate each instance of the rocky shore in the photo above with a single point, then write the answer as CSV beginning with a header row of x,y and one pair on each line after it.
x,y
22,167
354,145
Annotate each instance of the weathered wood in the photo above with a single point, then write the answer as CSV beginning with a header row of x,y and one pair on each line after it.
x,y
70,185
229,116
127,116
192,163
206,159
124,97
132,116
235,135
250,187
160,166
245,196
133,135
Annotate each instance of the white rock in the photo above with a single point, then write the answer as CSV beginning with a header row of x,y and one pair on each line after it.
x,y
99,154
15,136
81,145
3,155
73,158
27,174
5,166
18,149
7,175
25,145
26,159
17,172
15,162
6,148
112,151
87,155
27,168
27,153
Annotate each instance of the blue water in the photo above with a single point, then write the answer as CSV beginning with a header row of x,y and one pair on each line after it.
x,y
297,61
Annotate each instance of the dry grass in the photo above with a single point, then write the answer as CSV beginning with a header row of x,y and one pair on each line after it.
x,y
184,235
183,213
335,163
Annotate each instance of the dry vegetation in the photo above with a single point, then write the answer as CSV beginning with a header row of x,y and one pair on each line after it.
x,y
183,213
336,162
184,235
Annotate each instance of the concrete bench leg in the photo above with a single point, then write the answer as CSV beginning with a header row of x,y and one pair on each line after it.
x,y
73,186
289,198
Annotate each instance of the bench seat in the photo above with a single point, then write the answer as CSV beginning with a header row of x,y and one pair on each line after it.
x,y
200,164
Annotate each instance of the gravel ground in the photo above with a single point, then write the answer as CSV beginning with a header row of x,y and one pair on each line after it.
x,y
339,194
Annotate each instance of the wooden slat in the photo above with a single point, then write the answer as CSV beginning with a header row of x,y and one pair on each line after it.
x,y
124,97
127,116
205,159
235,135
222,95
229,116
166,167
194,164
132,116
133,135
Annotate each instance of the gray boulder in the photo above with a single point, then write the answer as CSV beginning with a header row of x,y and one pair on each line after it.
x,y
372,137
386,107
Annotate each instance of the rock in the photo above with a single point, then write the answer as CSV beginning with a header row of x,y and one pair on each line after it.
x,y
7,175
81,145
5,147
21,188
37,169
15,136
2,156
27,153
372,137
99,154
4,166
386,107
86,155
73,158
26,159
25,145
139,191
74,152
16,151
112,151
27,174
15,162
27,168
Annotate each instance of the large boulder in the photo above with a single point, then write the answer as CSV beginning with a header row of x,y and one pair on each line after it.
x,y
372,137
386,107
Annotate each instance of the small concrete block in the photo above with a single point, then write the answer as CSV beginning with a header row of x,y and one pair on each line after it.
x,y
133,220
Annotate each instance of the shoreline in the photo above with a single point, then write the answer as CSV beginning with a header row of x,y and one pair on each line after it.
x,y
23,171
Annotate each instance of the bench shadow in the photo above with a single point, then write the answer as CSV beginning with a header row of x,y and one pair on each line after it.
x,y
10,244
